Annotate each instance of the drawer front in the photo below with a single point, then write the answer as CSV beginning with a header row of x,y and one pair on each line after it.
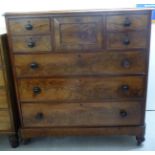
x,y
130,40
5,123
3,98
78,32
29,25
80,64
81,89
31,43
1,78
82,114
126,22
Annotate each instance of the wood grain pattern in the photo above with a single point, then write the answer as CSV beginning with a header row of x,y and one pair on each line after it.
x,y
41,43
39,25
80,64
1,78
78,32
116,22
5,123
136,39
81,89
83,114
0,61
3,98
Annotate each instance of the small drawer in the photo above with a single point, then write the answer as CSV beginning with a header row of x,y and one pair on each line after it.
x,y
80,63
29,25
126,22
3,98
81,88
1,78
5,123
125,40
31,43
82,114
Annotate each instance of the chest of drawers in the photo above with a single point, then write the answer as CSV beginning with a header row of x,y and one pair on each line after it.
x,y
80,72
8,119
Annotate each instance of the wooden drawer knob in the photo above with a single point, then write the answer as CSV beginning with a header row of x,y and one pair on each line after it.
x,y
39,116
28,26
125,63
31,44
36,90
127,22
126,40
123,113
34,65
125,88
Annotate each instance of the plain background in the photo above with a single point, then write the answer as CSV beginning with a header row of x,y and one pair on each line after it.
x,y
48,5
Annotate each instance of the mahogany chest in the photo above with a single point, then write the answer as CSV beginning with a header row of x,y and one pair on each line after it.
x,y
80,72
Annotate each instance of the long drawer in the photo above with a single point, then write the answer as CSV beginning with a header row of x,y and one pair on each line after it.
x,y
82,114
5,123
81,88
80,64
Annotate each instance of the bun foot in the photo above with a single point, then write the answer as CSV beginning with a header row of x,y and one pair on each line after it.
x,y
13,140
140,139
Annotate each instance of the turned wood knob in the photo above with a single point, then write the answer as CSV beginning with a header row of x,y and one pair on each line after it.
x,y
36,90
123,113
126,41
39,116
34,65
28,26
126,63
31,44
127,22
125,88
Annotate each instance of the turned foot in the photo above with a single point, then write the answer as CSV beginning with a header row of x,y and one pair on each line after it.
x,y
140,139
13,140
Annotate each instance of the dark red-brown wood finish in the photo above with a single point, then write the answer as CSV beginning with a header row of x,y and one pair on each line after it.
x,y
80,72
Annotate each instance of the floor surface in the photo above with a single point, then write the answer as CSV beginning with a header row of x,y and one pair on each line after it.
x,y
105,143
